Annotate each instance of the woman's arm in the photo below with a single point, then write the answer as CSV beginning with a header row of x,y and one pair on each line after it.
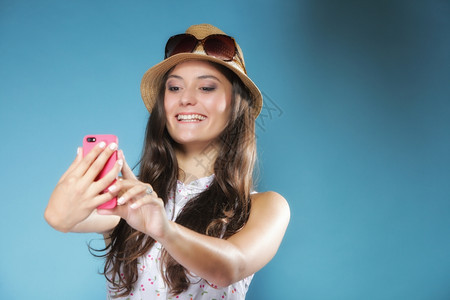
x,y
97,223
219,261
224,262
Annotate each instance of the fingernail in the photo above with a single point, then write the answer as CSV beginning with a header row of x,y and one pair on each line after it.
x,y
121,201
113,146
78,151
120,162
133,206
102,145
112,188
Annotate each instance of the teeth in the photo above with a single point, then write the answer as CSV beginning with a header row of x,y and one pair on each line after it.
x,y
192,117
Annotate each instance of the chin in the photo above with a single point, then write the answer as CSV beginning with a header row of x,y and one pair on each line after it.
x,y
193,142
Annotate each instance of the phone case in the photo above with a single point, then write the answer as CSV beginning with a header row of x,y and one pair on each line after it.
x,y
89,142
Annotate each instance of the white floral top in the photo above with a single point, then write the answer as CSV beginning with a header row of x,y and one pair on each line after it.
x,y
150,284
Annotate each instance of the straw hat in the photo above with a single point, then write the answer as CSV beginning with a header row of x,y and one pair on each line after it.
x,y
151,81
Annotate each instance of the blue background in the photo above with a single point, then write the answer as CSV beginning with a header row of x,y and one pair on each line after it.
x,y
355,135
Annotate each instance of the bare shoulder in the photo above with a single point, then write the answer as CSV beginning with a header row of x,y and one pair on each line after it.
x,y
270,205
270,199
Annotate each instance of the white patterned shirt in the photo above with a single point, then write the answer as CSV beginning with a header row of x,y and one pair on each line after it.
x,y
150,284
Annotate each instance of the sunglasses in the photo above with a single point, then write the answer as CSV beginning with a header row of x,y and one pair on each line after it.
x,y
217,45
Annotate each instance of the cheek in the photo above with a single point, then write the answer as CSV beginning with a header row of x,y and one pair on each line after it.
x,y
168,105
222,105
221,108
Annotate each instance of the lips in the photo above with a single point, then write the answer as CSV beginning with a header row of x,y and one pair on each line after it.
x,y
190,117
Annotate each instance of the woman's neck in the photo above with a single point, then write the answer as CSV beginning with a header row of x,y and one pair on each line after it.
x,y
195,162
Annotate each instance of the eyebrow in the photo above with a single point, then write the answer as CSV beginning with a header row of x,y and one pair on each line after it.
x,y
199,77
208,77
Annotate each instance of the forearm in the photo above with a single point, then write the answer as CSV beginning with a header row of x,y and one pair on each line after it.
x,y
94,223
216,260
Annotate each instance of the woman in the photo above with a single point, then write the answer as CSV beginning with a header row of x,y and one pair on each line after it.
x,y
190,225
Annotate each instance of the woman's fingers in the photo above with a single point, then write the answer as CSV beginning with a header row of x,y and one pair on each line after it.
x,y
103,198
87,161
138,196
127,173
105,182
99,163
131,194
135,191
143,201
120,210
74,164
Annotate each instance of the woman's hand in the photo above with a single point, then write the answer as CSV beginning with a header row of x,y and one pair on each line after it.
x,y
77,194
139,205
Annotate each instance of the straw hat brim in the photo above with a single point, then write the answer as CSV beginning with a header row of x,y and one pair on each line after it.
x,y
152,79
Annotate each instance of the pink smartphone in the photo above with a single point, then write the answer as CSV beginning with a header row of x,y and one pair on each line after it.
x,y
89,142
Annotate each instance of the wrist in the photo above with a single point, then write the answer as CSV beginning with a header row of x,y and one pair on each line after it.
x,y
169,234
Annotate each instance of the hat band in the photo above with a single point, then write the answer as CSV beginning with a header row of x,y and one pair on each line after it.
x,y
220,46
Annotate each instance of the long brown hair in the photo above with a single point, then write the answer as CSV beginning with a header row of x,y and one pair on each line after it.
x,y
219,211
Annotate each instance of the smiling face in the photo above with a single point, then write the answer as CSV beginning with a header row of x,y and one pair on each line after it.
x,y
197,101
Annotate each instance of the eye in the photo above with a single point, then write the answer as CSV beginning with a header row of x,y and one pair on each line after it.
x,y
207,88
173,88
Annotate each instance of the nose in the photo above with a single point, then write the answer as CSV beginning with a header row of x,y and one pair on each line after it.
x,y
188,97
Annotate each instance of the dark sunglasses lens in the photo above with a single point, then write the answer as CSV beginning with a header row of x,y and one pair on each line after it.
x,y
179,44
220,46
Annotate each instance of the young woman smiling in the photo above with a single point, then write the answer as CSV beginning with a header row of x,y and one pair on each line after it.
x,y
190,225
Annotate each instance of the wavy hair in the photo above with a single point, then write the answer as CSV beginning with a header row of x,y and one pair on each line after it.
x,y
219,211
